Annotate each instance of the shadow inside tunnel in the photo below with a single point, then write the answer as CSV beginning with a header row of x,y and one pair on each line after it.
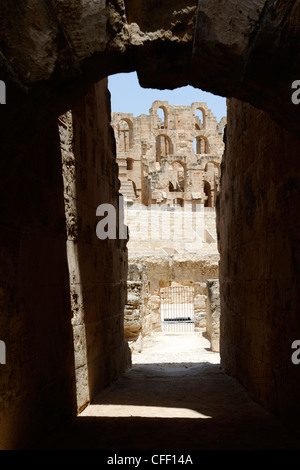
x,y
180,406
173,385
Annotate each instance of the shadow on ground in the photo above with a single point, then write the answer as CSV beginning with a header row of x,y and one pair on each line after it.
x,y
179,406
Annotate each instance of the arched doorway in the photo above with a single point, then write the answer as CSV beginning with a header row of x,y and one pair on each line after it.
x,y
164,146
125,135
201,145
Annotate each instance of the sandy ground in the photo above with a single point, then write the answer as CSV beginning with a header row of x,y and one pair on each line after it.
x,y
176,348
176,396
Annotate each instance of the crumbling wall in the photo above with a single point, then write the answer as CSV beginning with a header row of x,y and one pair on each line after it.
x,y
147,275
171,158
259,268
213,313
138,315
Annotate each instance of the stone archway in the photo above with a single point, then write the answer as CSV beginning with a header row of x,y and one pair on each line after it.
x,y
50,57
65,57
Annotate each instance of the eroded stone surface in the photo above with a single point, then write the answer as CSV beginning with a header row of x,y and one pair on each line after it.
x,y
222,47
49,57
259,246
90,176
213,313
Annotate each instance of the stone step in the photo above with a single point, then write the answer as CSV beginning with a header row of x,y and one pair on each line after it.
x,y
127,190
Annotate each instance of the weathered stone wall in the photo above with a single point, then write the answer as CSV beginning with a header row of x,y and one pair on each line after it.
x,y
213,312
148,274
98,268
170,156
259,267
138,315
63,47
62,289
37,383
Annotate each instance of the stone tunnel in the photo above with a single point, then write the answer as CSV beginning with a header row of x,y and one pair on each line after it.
x,y
62,291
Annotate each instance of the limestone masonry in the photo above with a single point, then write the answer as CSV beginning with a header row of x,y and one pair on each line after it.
x,y
63,291
169,171
171,156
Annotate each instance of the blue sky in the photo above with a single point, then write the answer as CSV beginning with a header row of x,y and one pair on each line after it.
x,y
128,97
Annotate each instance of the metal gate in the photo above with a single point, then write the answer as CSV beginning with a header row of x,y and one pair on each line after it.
x,y
177,309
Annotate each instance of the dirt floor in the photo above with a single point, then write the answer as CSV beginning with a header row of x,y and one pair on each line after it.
x,y
175,397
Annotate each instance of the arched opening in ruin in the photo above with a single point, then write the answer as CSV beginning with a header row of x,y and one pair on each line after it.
x,y
129,163
163,116
125,134
176,199
200,118
201,145
179,201
164,147
213,168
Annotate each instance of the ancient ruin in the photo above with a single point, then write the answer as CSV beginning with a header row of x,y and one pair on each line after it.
x,y
62,290
171,156
169,169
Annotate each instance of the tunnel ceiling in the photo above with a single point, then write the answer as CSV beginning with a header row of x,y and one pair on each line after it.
x,y
247,50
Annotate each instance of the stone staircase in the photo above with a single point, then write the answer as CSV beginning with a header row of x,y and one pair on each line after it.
x,y
127,190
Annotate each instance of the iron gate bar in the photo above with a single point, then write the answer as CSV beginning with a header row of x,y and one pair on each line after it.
x,y
177,309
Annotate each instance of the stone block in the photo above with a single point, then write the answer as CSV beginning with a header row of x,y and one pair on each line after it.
x,y
213,313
